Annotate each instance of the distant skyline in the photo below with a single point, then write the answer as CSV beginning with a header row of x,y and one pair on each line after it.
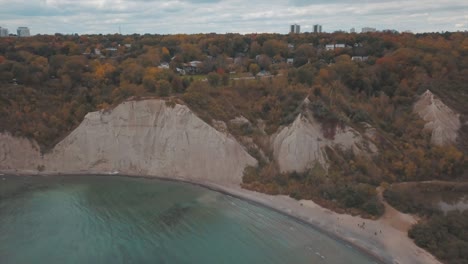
x,y
237,16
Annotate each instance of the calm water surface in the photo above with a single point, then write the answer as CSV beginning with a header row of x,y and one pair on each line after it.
x,y
103,219
460,205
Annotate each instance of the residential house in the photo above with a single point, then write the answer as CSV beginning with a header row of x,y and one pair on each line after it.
x,y
263,74
368,29
335,46
330,47
164,65
359,58
193,67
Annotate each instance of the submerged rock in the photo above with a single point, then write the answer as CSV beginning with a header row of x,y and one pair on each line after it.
x,y
174,215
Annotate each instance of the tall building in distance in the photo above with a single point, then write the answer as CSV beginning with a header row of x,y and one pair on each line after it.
x,y
368,29
3,32
23,32
317,28
295,29
352,30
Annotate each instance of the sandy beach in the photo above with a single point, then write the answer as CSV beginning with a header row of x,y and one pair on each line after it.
x,y
385,239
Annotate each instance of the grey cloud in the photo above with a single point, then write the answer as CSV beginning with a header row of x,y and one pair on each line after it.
x,y
193,16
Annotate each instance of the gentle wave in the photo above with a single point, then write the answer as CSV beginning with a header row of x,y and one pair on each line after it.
x,y
120,220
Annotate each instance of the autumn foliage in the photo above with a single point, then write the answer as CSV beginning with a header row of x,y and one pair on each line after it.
x,y
49,83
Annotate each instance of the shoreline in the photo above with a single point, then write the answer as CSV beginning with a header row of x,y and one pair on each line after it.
x,y
363,235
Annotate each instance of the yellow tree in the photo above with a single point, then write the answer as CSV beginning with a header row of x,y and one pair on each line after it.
x,y
165,54
102,71
150,78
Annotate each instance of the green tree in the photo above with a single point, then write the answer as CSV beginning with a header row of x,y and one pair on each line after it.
x,y
213,79
164,88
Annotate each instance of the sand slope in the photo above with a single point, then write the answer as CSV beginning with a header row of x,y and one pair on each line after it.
x,y
442,121
138,137
18,153
300,145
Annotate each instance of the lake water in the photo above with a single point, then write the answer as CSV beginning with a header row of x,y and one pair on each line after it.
x,y
459,205
111,219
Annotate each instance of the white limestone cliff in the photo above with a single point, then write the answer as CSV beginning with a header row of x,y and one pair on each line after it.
x,y
301,145
18,153
441,121
138,137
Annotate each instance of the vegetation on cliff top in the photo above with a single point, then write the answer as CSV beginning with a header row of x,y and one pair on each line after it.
x,y
49,83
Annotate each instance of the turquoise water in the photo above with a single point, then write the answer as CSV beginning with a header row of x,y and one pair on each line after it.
x,y
104,219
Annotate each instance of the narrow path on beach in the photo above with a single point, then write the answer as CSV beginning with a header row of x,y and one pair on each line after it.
x,y
393,217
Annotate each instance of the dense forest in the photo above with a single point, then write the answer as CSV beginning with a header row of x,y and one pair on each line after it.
x,y
49,83
442,232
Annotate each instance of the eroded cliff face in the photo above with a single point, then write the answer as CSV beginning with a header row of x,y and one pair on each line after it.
x,y
141,137
18,153
150,138
301,145
441,121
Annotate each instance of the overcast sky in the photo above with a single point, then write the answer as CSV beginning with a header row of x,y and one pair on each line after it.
x,y
221,16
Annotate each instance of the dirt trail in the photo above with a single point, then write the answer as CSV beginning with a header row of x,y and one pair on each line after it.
x,y
393,217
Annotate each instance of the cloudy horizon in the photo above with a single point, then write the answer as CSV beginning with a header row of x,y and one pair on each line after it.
x,y
239,16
